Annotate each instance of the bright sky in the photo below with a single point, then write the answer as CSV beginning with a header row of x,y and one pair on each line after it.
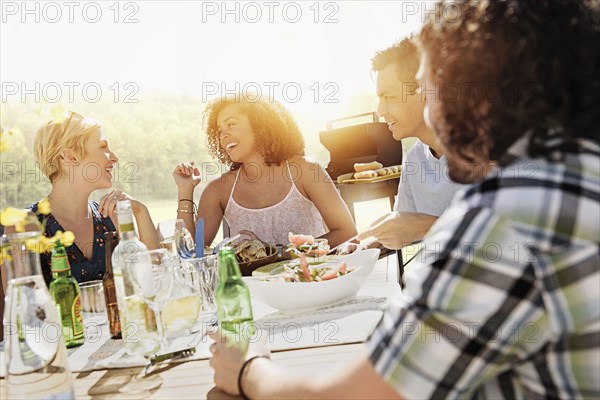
x,y
318,51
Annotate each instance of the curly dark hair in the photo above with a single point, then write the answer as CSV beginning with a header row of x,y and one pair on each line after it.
x,y
277,135
541,60
404,54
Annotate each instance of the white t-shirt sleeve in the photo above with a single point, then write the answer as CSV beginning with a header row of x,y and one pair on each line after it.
x,y
405,201
424,185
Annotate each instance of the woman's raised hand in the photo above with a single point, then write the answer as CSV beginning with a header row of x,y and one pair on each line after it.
x,y
186,175
108,203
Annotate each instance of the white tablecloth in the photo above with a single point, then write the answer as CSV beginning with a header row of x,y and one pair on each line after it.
x,y
350,321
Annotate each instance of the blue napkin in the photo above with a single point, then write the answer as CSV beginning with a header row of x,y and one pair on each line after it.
x,y
200,238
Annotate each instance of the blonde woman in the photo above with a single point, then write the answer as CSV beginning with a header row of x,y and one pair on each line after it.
x,y
75,156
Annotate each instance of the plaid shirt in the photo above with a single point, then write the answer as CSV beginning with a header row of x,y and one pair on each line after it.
x,y
504,299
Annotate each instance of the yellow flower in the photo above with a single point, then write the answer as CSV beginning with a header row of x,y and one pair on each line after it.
x,y
21,225
44,206
45,244
11,216
4,255
68,238
55,238
34,244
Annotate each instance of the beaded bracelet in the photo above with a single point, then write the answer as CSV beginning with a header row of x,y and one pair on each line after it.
x,y
185,211
244,366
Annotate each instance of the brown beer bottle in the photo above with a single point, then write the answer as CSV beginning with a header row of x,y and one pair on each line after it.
x,y
111,239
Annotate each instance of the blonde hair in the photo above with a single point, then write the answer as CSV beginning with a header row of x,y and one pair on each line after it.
x,y
54,137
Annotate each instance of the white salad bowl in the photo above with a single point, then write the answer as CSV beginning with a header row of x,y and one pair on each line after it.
x,y
292,297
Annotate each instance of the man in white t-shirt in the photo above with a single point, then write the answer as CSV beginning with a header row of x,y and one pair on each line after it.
x,y
425,189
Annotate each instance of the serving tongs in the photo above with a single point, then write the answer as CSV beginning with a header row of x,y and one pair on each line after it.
x,y
179,354
226,241
367,242
174,355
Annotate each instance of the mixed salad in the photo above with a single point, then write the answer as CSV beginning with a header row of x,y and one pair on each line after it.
x,y
301,271
307,244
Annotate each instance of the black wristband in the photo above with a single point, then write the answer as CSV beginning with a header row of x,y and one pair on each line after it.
x,y
244,366
191,201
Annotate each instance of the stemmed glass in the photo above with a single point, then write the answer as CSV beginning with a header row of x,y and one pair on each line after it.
x,y
154,284
175,237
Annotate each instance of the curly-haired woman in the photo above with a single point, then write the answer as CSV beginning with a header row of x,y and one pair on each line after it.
x,y
271,189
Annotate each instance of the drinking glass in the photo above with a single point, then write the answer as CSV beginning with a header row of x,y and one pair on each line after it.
x,y
34,355
183,308
205,275
93,306
210,278
154,284
174,236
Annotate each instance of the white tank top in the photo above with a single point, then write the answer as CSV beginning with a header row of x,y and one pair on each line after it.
x,y
272,224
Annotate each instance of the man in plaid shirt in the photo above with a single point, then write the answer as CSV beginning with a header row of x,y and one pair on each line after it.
x,y
504,299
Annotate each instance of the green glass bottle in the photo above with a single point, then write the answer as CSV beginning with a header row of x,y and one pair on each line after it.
x,y
65,292
234,308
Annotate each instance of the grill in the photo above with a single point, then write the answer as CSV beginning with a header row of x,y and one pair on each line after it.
x,y
361,143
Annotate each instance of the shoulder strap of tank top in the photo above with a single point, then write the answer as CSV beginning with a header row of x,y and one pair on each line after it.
x,y
290,174
237,175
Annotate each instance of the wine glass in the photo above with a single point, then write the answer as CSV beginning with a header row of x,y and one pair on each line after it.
x,y
175,237
186,247
166,235
154,284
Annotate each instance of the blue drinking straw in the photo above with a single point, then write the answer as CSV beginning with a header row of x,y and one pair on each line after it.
x,y
200,238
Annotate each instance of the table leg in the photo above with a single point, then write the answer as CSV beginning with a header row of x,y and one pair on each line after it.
x,y
400,268
392,201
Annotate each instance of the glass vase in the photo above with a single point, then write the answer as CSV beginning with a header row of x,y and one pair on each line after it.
x,y
35,356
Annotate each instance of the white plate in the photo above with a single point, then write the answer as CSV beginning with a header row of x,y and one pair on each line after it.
x,y
292,297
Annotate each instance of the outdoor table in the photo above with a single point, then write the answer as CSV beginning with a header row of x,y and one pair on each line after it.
x,y
316,351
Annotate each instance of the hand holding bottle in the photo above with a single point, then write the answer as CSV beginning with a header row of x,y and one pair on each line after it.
x,y
108,204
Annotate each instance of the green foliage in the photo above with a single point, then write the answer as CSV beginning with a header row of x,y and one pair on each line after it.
x,y
150,138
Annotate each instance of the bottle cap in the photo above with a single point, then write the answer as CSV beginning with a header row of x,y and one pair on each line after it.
x,y
226,249
124,212
123,206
